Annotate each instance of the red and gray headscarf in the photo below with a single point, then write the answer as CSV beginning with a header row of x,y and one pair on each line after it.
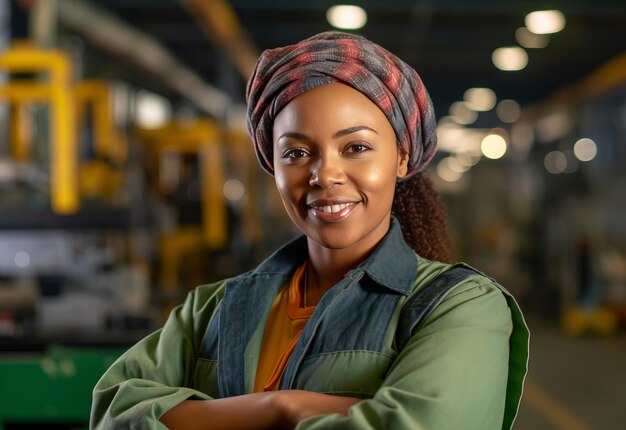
x,y
282,74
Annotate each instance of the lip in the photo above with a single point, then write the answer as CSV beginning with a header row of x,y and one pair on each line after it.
x,y
331,216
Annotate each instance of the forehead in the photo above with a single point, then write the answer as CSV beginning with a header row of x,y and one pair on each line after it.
x,y
330,107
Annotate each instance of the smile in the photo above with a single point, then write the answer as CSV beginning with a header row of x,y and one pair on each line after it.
x,y
332,212
332,208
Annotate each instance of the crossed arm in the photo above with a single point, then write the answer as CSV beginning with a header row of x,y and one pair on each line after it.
x,y
271,410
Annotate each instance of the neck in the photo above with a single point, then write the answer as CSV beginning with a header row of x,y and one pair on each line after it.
x,y
328,266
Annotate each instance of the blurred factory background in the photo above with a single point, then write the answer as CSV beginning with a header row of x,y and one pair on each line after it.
x,y
127,177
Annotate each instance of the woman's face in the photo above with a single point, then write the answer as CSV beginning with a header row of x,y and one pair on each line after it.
x,y
336,163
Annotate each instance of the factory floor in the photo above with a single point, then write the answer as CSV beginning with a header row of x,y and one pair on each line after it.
x,y
574,383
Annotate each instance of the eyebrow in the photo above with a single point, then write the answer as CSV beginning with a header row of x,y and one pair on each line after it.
x,y
351,130
340,133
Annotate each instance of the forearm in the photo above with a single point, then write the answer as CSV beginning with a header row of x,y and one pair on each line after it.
x,y
247,412
271,410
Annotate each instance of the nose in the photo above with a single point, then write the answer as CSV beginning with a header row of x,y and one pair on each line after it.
x,y
327,172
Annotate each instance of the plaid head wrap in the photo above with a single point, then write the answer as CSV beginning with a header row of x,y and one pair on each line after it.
x,y
282,74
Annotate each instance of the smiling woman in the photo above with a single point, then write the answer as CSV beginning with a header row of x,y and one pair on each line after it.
x,y
362,322
342,155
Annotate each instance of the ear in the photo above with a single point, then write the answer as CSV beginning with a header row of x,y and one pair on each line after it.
x,y
403,164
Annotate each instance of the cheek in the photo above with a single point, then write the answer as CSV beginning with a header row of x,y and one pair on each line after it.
x,y
287,186
379,178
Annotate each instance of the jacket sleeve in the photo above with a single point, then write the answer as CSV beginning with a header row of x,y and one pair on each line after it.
x,y
452,374
150,378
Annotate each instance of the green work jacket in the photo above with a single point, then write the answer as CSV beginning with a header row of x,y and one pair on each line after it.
x,y
426,345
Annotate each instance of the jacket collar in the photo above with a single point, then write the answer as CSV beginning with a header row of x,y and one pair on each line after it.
x,y
392,265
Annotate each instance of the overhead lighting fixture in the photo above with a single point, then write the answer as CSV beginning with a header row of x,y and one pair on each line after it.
x,y
530,40
480,99
346,17
545,21
510,58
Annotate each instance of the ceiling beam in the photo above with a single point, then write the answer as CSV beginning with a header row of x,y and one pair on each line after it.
x,y
220,23
105,30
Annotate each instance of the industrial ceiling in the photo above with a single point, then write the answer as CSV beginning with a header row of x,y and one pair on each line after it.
x,y
449,42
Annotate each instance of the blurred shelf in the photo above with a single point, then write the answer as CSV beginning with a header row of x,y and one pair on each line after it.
x,y
105,218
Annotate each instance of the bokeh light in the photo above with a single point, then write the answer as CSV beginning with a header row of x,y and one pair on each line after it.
x,y
508,111
545,21
346,17
234,190
445,171
493,146
510,58
555,162
480,99
585,149
461,114
530,40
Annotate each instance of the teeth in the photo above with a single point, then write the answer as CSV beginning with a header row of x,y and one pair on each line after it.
x,y
333,208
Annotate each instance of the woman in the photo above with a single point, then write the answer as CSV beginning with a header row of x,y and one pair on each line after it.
x,y
347,326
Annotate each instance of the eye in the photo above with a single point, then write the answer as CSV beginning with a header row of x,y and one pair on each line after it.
x,y
357,148
295,153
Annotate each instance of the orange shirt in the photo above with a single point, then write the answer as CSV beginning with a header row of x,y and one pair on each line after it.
x,y
282,331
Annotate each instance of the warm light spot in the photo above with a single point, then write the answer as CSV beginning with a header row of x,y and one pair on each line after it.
x,y
234,190
585,149
461,114
152,110
508,111
555,162
493,146
510,58
530,40
545,21
466,159
456,165
446,173
346,17
480,99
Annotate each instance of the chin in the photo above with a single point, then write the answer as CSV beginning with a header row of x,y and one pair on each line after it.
x,y
334,237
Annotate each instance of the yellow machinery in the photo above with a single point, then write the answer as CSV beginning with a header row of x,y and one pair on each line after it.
x,y
599,320
68,103
101,177
58,93
201,137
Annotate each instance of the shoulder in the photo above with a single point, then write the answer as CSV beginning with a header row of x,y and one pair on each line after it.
x,y
459,295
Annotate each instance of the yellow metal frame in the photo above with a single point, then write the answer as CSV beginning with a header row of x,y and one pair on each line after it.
x,y
108,143
58,92
203,138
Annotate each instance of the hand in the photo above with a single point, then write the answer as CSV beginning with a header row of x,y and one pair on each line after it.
x,y
296,405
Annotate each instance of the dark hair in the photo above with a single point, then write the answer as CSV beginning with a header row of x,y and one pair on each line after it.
x,y
422,217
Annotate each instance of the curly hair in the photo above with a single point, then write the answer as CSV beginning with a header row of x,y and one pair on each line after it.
x,y
422,216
